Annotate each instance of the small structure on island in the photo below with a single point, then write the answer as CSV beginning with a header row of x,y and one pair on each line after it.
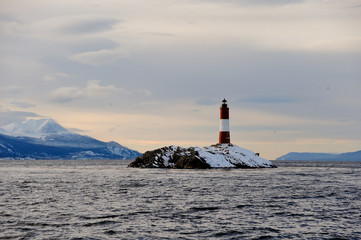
x,y
224,135
221,155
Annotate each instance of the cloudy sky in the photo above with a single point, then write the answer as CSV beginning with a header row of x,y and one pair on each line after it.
x,y
153,73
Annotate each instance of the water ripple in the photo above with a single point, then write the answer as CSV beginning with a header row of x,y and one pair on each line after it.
x,y
107,200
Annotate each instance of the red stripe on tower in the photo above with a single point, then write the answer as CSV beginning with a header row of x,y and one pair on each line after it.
x,y
224,136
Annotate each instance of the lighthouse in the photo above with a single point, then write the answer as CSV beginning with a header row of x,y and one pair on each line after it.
x,y
224,136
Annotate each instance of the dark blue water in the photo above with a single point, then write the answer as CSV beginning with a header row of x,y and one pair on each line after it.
x,y
106,200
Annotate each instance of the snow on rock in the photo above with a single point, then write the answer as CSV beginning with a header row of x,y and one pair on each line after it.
x,y
215,156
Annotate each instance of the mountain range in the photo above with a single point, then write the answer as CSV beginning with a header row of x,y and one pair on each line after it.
x,y
46,139
350,156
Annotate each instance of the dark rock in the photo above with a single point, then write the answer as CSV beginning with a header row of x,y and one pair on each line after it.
x,y
178,158
191,161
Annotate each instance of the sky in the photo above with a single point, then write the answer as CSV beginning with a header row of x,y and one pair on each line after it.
x,y
149,74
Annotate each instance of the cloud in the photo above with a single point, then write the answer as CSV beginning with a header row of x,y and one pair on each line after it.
x,y
100,57
91,90
84,26
11,91
207,101
160,34
55,76
340,44
253,2
66,94
94,89
267,99
144,92
23,104
7,117
355,6
77,130
12,88
90,44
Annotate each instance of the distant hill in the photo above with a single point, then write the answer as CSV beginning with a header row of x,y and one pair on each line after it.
x,y
46,139
350,156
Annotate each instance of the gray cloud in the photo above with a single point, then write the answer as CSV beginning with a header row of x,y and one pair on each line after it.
x,y
11,90
93,44
23,104
355,6
8,18
207,101
93,90
66,94
292,83
55,77
7,117
161,34
101,57
267,99
81,26
252,2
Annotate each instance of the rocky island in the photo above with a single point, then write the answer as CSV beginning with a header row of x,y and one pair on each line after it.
x,y
222,155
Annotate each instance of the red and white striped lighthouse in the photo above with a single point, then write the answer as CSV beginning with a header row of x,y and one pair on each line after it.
x,y
224,136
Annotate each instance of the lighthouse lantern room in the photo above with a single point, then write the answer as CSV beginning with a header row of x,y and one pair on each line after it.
x,y
224,135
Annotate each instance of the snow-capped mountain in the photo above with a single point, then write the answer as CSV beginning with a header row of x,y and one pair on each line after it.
x,y
33,128
46,139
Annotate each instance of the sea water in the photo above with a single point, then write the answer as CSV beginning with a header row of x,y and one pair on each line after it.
x,y
102,199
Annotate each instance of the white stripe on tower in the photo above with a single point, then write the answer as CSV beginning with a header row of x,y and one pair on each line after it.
x,y
224,127
224,135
